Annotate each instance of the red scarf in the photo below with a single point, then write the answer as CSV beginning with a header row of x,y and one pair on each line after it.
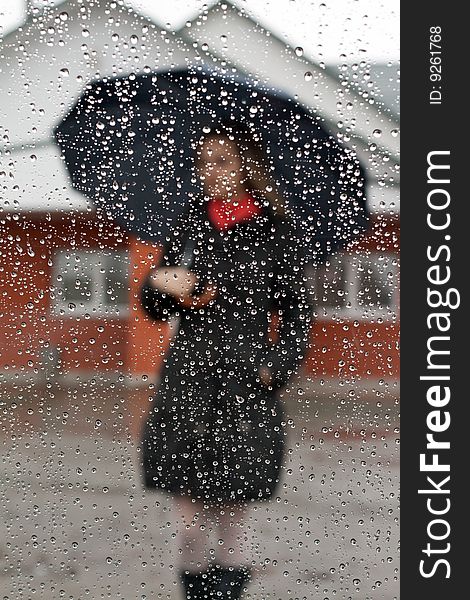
x,y
224,214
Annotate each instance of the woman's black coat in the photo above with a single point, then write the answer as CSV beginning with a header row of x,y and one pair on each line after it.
x,y
215,430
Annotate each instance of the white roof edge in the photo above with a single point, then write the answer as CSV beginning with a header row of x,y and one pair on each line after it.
x,y
387,142
9,36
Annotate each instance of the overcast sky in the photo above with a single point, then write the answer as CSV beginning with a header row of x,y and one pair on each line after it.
x,y
332,31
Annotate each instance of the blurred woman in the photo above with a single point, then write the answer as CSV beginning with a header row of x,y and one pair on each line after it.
x,y
214,438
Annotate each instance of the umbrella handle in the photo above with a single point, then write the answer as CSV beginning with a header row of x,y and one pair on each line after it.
x,y
209,293
210,289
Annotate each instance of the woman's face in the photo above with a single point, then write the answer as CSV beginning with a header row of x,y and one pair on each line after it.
x,y
220,167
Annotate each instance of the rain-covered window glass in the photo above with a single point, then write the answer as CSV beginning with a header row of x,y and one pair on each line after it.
x,y
90,281
376,277
331,284
199,315
359,286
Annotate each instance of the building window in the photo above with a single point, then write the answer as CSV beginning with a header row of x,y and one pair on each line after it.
x,y
90,282
357,286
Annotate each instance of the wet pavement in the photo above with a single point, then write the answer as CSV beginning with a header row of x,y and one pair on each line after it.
x,y
77,523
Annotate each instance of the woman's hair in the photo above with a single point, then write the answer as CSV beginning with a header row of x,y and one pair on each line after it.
x,y
254,163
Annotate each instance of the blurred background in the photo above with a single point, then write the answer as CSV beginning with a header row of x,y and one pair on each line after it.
x,y
79,360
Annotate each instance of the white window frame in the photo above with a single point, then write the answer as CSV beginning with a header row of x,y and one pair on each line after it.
x,y
95,307
353,310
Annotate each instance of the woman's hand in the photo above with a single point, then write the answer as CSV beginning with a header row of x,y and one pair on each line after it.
x,y
179,282
176,281
265,375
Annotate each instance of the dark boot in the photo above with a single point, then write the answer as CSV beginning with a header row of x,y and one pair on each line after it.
x,y
198,586
229,582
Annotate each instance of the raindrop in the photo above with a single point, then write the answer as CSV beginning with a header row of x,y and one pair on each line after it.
x,y
299,51
308,76
377,133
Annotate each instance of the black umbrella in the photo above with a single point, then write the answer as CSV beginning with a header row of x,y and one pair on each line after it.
x,y
129,144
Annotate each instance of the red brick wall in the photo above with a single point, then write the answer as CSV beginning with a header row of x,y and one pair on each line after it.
x,y
136,344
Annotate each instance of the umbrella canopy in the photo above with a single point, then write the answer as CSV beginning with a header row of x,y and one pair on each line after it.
x,y
129,145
